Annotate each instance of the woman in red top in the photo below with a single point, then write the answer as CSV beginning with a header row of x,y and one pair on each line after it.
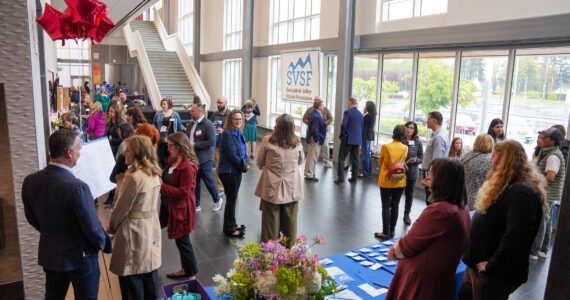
x,y
430,252
177,189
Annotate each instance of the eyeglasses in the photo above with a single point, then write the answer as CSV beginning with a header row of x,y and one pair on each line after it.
x,y
219,102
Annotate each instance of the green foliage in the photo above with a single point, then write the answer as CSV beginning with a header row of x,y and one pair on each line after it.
x,y
329,286
243,279
388,126
287,280
364,90
435,87
251,249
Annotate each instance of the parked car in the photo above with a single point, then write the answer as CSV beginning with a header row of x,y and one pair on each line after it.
x,y
464,124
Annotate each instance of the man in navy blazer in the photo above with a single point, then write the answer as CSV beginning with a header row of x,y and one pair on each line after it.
x,y
350,140
202,136
60,207
316,133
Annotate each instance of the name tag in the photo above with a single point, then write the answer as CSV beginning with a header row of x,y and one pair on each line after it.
x,y
199,133
171,119
87,109
411,143
163,128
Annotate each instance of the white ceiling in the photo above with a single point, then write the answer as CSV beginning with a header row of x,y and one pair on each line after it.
x,y
120,11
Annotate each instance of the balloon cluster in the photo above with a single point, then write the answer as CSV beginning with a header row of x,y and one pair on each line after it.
x,y
81,19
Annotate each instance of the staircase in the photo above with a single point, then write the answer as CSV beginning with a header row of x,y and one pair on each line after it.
x,y
168,71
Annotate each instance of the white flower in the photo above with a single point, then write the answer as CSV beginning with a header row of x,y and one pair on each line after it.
x,y
231,272
312,283
265,284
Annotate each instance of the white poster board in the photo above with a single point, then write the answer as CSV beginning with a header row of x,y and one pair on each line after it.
x,y
300,76
95,165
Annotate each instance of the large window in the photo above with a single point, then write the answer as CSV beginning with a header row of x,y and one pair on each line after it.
x,y
401,9
233,12
186,24
232,81
396,93
482,87
294,20
434,88
73,62
540,95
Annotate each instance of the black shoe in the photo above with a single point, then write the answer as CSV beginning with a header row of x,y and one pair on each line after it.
x,y
407,220
352,180
241,228
312,178
382,236
174,276
234,235
339,181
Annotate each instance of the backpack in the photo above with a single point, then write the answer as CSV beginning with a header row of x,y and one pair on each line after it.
x,y
397,169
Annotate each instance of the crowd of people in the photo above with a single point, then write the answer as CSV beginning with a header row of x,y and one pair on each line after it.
x,y
160,166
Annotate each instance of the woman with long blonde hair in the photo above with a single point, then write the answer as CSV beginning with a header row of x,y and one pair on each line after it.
x,y
134,222
510,207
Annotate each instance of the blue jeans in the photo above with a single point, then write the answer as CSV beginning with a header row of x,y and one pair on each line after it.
x,y
85,280
205,173
366,162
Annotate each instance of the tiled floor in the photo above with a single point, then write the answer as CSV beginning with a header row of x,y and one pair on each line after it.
x,y
347,215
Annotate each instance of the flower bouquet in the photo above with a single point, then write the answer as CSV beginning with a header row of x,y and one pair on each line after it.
x,y
140,103
186,106
271,271
55,122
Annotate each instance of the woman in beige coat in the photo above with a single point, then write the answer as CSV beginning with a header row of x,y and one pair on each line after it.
x,y
280,186
134,222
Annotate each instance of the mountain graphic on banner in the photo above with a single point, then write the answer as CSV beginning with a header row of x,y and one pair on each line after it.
x,y
301,63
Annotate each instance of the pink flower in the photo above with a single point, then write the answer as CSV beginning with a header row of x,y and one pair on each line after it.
x,y
302,239
319,239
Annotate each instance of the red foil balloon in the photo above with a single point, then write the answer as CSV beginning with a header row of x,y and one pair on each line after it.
x,y
82,19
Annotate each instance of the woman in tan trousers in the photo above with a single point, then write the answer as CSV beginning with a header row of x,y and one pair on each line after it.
x,y
280,186
134,222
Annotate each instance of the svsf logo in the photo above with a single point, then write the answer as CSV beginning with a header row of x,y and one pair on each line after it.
x,y
301,72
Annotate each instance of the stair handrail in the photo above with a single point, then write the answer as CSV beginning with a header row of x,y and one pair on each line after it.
x,y
172,42
136,48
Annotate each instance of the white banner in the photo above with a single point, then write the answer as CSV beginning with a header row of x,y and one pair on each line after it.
x,y
300,76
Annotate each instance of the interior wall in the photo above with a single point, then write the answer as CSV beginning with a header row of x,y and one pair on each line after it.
x,y
212,76
20,72
329,18
259,88
459,12
261,14
211,26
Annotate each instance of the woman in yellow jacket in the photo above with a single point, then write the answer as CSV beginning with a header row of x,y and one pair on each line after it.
x,y
391,187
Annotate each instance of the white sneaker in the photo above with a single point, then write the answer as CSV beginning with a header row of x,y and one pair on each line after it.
x,y
218,205
542,254
533,257
198,208
328,164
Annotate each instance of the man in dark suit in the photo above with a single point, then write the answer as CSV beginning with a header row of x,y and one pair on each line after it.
x,y
316,133
202,136
350,140
60,207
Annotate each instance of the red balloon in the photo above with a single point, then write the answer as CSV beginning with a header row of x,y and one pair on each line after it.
x,y
85,11
50,22
82,19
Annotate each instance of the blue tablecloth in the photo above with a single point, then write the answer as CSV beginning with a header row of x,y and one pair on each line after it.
x,y
362,274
